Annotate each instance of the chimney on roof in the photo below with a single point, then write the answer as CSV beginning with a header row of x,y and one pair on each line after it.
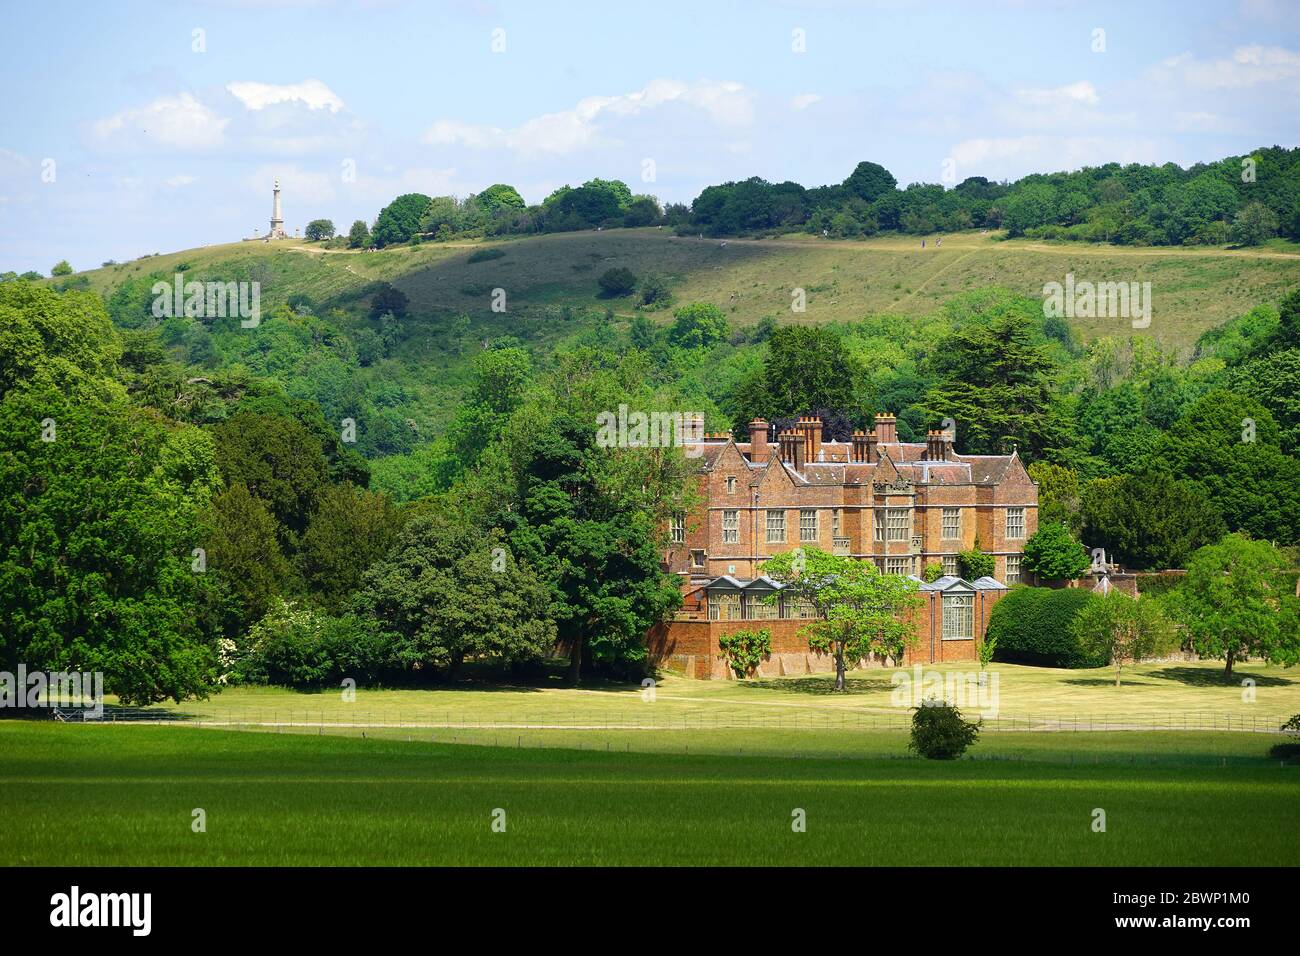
x,y
938,446
810,427
758,431
793,448
886,428
861,450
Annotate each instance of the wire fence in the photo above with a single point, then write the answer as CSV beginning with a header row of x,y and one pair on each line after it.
x,y
653,719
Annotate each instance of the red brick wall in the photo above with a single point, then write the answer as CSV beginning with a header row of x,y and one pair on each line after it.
x,y
691,647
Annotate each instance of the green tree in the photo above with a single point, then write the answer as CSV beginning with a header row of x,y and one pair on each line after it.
x,y
1150,520
63,341
616,282
279,461
698,325
995,381
241,538
806,367
1234,603
454,594
1123,630
1253,225
1229,445
400,219
97,528
318,230
499,196
860,611
61,268
869,181
1053,554
359,235
349,531
1060,498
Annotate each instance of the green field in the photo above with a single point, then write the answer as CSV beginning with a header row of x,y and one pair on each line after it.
x,y
706,772
1193,288
1191,696
85,795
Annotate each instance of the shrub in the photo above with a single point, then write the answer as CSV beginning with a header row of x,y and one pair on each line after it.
x,y
940,733
1053,554
302,647
1036,626
655,293
484,255
933,572
616,282
745,650
975,564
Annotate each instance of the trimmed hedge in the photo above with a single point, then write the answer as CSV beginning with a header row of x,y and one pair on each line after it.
x,y
1036,626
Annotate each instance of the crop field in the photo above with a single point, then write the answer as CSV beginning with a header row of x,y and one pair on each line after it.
x,y
96,795
694,773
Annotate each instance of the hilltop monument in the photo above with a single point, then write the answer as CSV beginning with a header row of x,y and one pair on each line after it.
x,y
277,219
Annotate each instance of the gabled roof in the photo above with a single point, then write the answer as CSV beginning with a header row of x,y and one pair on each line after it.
x,y
950,582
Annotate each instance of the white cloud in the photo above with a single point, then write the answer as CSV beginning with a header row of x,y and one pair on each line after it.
x,y
1081,92
173,122
1247,66
1015,156
804,100
314,94
180,179
725,103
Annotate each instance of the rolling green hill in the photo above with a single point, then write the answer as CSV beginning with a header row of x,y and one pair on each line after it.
x,y
1193,289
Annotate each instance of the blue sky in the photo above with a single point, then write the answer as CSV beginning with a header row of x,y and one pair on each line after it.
x,y
119,138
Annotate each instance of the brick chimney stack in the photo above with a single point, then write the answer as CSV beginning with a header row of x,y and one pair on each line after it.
x,y
810,427
938,446
758,430
793,448
886,428
861,448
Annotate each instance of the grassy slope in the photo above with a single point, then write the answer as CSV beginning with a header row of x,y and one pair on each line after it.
x,y
1193,289
95,795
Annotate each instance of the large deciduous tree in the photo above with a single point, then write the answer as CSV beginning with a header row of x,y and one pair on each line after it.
x,y
453,594
1236,605
860,611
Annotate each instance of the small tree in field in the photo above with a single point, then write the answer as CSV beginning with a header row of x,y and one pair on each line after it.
x,y
988,647
318,230
1123,630
940,733
859,609
745,650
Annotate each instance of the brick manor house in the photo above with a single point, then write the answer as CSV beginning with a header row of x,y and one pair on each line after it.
x,y
902,505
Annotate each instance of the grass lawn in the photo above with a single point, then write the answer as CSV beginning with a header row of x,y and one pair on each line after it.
x,y
1175,696
85,795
